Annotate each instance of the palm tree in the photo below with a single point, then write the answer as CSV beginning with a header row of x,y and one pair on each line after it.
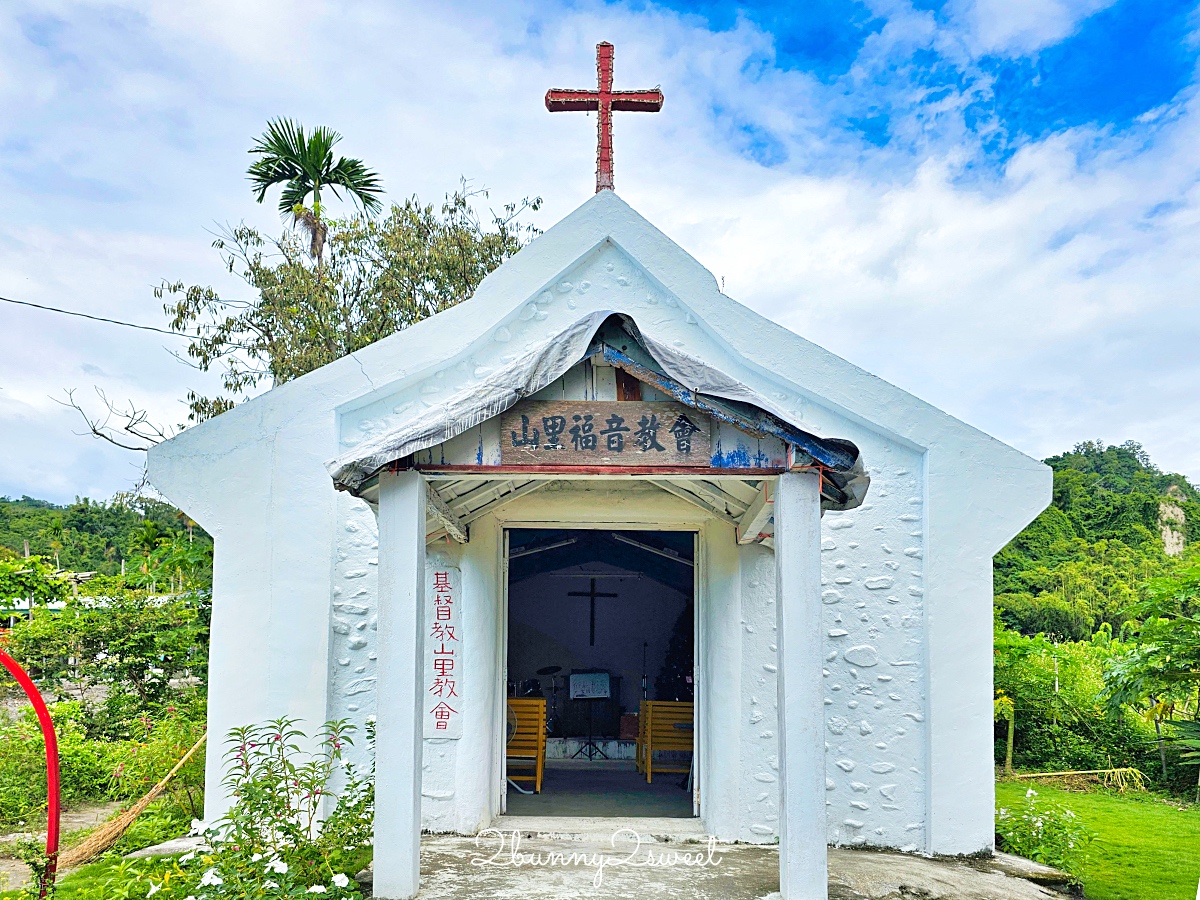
x,y
304,165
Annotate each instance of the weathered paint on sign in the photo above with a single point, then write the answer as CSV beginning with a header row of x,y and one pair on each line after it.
x,y
443,653
599,433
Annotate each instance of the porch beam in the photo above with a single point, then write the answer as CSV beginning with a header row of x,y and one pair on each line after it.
x,y
803,866
399,691
754,520
745,491
485,473
445,516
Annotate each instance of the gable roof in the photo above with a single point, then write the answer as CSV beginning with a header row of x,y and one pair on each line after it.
x,y
679,310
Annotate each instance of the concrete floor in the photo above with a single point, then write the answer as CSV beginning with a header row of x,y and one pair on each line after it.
x,y
578,858
549,860
602,788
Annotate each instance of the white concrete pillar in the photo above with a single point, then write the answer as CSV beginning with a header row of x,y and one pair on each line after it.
x,y
401,664
803,867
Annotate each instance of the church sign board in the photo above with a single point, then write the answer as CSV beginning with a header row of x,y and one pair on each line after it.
x,y
443,653
604,433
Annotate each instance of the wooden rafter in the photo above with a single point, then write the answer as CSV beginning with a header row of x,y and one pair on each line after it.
x,y
754,519
444,515
695,500
505,499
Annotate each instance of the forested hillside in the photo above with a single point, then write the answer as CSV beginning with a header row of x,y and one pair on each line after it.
x,y
1088,557
93,537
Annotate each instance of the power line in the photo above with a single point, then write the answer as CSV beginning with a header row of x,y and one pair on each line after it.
x,y
69,312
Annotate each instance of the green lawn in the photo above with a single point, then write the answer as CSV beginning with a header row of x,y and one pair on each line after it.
x,y
1147,850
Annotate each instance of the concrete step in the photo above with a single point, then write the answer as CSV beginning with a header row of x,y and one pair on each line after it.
x,y
591,829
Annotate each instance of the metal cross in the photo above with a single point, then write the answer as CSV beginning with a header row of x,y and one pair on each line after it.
x,y
593,594
604,100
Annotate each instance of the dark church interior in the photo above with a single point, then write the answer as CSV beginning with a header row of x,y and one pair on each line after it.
x,y
600,621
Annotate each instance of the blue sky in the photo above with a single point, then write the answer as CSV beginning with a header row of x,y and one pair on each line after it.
x,y
991,203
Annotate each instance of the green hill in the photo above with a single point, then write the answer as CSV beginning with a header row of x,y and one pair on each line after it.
x,y
1084,560
91,537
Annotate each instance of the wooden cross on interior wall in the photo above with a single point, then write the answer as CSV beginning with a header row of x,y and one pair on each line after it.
x,y
592,594
604,100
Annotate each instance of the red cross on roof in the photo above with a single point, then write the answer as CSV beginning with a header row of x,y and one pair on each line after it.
x,y
604,100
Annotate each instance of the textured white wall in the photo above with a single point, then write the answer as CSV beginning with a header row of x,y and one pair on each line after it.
x,y
872,566
254,477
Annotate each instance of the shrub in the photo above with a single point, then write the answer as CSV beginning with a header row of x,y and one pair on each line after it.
x,y
288,831
84,765
1045,832
138,764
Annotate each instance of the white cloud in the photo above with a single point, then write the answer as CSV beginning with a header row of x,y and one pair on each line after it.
x,y
1019,27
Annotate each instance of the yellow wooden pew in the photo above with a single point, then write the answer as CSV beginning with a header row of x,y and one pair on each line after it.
x,y
526,750
658,732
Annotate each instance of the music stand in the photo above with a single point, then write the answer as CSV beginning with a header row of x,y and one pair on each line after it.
x,y
552,723
590,686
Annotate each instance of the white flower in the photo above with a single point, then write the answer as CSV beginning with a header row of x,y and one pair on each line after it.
x,y
316,889
271,884
189,897
211,879
1031,793
278,866
154,889
256,857
341,880
188,857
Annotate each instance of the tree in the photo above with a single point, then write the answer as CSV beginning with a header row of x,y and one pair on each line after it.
x,y
382,275
138,648
1159,675
304,165
29,579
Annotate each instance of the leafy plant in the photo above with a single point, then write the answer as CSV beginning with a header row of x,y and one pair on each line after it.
x,y
139,763
303,164
30,579
1045,832
138,648
1059,721
84,764
380,275
274,840
1003,709
1187,741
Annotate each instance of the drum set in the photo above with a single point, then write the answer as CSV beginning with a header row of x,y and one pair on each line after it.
x,y
532,687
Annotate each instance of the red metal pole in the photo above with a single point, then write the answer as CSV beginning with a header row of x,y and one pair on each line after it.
x,y
53,795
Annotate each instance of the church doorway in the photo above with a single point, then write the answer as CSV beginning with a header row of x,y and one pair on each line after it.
x,y
600,673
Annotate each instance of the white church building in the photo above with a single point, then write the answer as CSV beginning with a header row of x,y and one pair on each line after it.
x,y
835,537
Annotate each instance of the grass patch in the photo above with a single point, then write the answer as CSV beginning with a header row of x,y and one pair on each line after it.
x,y
1148,849
110,877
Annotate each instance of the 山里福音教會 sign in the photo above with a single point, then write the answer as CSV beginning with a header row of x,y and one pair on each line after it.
x,y
604,433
